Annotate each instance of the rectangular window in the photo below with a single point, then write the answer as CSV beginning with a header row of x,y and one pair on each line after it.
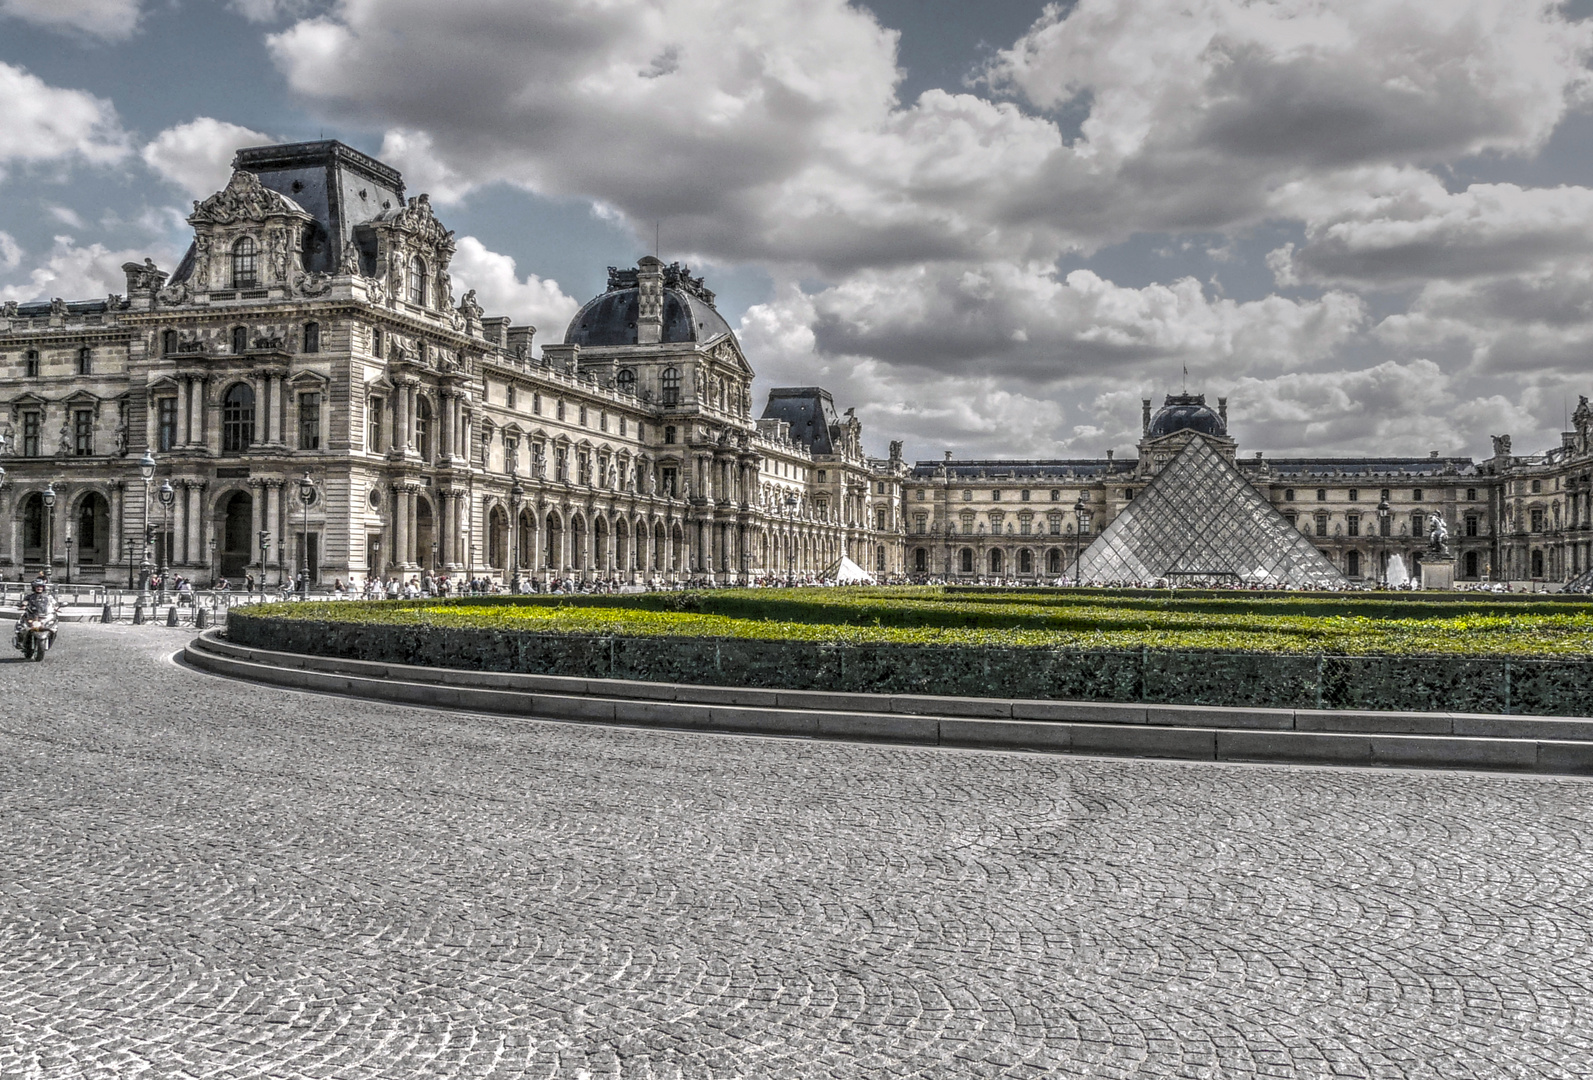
x,y
166,423
669,434
1321,494
310,421
1023,526
879,519
1471,494
995,496
1321,525
1025,495
508,396
1355,495
1416,524
1353,523
920,523
373,441
30,364
83,432
1471,524
1416,495
376,344
1537,519
536,402
1056,526
539,459
561,464
602,420
623,426
920,494
583,415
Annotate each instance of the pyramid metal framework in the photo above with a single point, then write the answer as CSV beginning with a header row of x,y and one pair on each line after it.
x,y
1200,521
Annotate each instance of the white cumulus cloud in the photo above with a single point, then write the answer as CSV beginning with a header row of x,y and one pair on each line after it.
x,y
110,20
48,123
500,290
197,156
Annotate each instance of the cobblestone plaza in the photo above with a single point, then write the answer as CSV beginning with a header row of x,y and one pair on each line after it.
x,y
207,879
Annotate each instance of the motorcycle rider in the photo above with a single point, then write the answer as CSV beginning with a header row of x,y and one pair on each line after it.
x,y
36,604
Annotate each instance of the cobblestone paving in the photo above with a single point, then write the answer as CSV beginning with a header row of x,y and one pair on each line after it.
x,y
206,879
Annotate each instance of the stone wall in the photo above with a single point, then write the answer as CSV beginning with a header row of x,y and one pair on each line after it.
x,y
1424,684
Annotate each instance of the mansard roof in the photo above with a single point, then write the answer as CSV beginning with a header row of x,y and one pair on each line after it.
x,y
809,410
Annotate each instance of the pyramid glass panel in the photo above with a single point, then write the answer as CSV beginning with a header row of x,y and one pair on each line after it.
x,y
1201,522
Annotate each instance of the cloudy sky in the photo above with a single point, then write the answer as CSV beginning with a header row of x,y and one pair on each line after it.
x,y
993,227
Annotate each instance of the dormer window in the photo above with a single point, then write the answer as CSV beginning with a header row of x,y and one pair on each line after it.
x,y
626,380
244,273
417,281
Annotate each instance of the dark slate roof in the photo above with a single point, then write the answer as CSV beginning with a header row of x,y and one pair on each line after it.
x,y
1182,412
610,319
1378,466
1077,469
809,410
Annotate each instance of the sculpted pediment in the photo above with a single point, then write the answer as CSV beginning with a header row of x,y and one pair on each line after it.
x,y
244,199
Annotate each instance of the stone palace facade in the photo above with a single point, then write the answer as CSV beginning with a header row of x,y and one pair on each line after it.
x,y
312,394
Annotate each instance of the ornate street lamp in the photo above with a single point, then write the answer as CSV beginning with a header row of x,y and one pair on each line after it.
x,y
790,539
1081,514
265,555
49,528
516,497
146,472
67,536
306,497
1384,512
168,496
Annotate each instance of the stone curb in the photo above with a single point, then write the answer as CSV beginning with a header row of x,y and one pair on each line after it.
x,y
1190,733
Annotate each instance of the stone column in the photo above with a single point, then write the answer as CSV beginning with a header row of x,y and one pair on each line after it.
x,y
412,508
117,528
196,522
445,424
400,540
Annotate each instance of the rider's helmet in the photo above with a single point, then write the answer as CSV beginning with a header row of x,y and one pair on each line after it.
x,y
38,586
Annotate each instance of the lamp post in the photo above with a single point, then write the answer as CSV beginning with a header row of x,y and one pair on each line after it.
x,y
376,559
66,535
306,497
265,554
516,497
49,529
1383,514
790,539
168,496
146,472
1081,514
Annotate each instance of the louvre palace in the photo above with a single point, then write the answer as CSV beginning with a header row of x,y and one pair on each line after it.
x,y
305,390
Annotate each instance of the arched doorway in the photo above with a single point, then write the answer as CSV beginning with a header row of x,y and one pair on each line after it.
x,y
600,546
1053,561
498,539
1352,563
93,532
995,560
1025,561
425,534
967,560
555,541
677,543
33,530
234,526
526,542
577,542
660,543
920,561
622,560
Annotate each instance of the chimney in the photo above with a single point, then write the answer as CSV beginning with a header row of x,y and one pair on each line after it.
x,y
649,301
1144,416
1109,461
1222,412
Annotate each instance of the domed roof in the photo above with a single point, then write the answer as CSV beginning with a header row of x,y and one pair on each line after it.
x,y
1185,412
610,319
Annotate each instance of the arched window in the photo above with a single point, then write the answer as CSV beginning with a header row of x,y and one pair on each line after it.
x,y
85,361
626,380
240,340
244,273
995,561
1053,561
237,418
670,382
312,337
1025,561
417,281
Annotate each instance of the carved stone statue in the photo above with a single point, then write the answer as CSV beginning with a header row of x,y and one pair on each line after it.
x,y
121,438
469,307
1437,536
1501,446
63,445
349,265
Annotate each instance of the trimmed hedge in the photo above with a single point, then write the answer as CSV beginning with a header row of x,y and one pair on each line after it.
x,y
1537,686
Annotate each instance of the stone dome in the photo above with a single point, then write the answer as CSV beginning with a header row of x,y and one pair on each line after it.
x,y
610,319
1185,412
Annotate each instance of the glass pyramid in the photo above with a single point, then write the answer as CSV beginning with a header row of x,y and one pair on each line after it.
x,y
1201,522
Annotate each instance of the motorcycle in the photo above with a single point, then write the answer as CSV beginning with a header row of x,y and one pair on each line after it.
x,y
36,635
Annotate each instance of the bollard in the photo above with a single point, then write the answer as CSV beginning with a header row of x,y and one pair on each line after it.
x,y
202,619
171,616
105,614
138,614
